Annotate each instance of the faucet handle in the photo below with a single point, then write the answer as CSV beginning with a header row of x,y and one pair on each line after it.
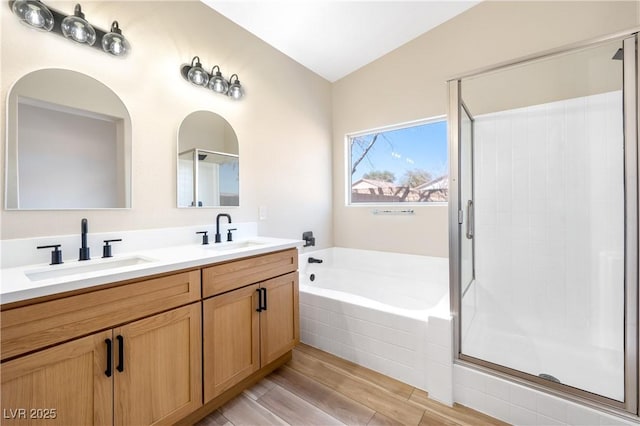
x,y
56,254
205,237
229,236
106,249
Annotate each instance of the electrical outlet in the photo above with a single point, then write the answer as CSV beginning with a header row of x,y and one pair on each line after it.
x,y
262,212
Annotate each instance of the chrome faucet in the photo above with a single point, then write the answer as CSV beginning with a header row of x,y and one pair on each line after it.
x,y
84,250
218,239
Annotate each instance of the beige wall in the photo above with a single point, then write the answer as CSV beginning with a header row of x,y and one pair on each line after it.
x,y
283,125
489,33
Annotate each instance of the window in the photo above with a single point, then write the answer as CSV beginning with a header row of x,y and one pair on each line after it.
x,y
399,164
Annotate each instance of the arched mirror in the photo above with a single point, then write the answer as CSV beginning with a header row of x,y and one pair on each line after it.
x,y
208,162
68,144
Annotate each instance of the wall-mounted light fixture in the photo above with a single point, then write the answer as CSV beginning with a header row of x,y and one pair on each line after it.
x,y
195,74
74,27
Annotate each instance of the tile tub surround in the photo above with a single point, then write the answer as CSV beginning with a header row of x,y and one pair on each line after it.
x,y
410,345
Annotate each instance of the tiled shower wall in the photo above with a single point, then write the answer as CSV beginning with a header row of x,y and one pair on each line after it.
x,y
549,243
550,217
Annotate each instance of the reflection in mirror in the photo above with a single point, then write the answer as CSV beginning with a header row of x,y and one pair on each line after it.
x,y
68,144
208,162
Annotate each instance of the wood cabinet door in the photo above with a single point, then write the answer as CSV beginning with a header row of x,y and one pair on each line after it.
x,y
279,322
161,377
64,385
231,339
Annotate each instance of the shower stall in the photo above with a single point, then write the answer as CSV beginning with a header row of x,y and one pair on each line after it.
x,y
544,221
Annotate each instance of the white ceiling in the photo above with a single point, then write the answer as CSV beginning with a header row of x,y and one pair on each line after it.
x,y
335,37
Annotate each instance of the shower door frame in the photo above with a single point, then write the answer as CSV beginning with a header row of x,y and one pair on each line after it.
x,y
631,118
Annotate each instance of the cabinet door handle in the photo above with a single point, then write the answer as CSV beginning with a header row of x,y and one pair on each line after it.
x,y
107,372
264,292
120,366
259,300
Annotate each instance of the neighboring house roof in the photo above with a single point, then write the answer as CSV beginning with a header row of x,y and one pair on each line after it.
x,y
371,190
372,184
441,182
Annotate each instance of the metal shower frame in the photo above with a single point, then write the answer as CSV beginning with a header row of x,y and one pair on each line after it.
x,y
631,90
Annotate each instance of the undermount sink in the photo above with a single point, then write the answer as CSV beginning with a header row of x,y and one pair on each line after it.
x,y
57,271
235,245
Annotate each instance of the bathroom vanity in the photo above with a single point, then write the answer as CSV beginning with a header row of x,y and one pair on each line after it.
x,y
159,348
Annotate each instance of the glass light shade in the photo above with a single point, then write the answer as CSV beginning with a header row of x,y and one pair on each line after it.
x,y
77,28
34,14
218,84
198,76
114,42
235,90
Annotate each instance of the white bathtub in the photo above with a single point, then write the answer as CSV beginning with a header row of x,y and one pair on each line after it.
x,y
386,311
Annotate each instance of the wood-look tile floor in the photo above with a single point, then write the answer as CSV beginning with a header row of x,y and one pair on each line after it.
x,y
317,388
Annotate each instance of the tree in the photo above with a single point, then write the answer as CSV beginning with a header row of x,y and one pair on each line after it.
x,y
366,150
383,175
415,177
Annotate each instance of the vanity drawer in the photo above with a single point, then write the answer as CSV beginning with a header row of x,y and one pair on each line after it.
x,y
229,276
36,326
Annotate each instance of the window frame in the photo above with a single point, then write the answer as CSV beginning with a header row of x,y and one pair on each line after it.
x,y
347,163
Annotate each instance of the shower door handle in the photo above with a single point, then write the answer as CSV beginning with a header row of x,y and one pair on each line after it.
x,y
470,219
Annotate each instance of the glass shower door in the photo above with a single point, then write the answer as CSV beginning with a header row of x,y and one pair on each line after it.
x,y
543,222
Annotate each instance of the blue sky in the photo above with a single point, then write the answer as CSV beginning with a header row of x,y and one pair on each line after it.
x,y
417,147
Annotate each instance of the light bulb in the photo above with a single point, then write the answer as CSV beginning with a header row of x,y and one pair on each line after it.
x,y
34,18
79,34
219,86
116,47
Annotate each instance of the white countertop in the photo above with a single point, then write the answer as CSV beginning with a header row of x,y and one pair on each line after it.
x,y
17,286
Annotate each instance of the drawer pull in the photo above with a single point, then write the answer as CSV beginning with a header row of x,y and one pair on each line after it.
x,y
107,372
120,366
